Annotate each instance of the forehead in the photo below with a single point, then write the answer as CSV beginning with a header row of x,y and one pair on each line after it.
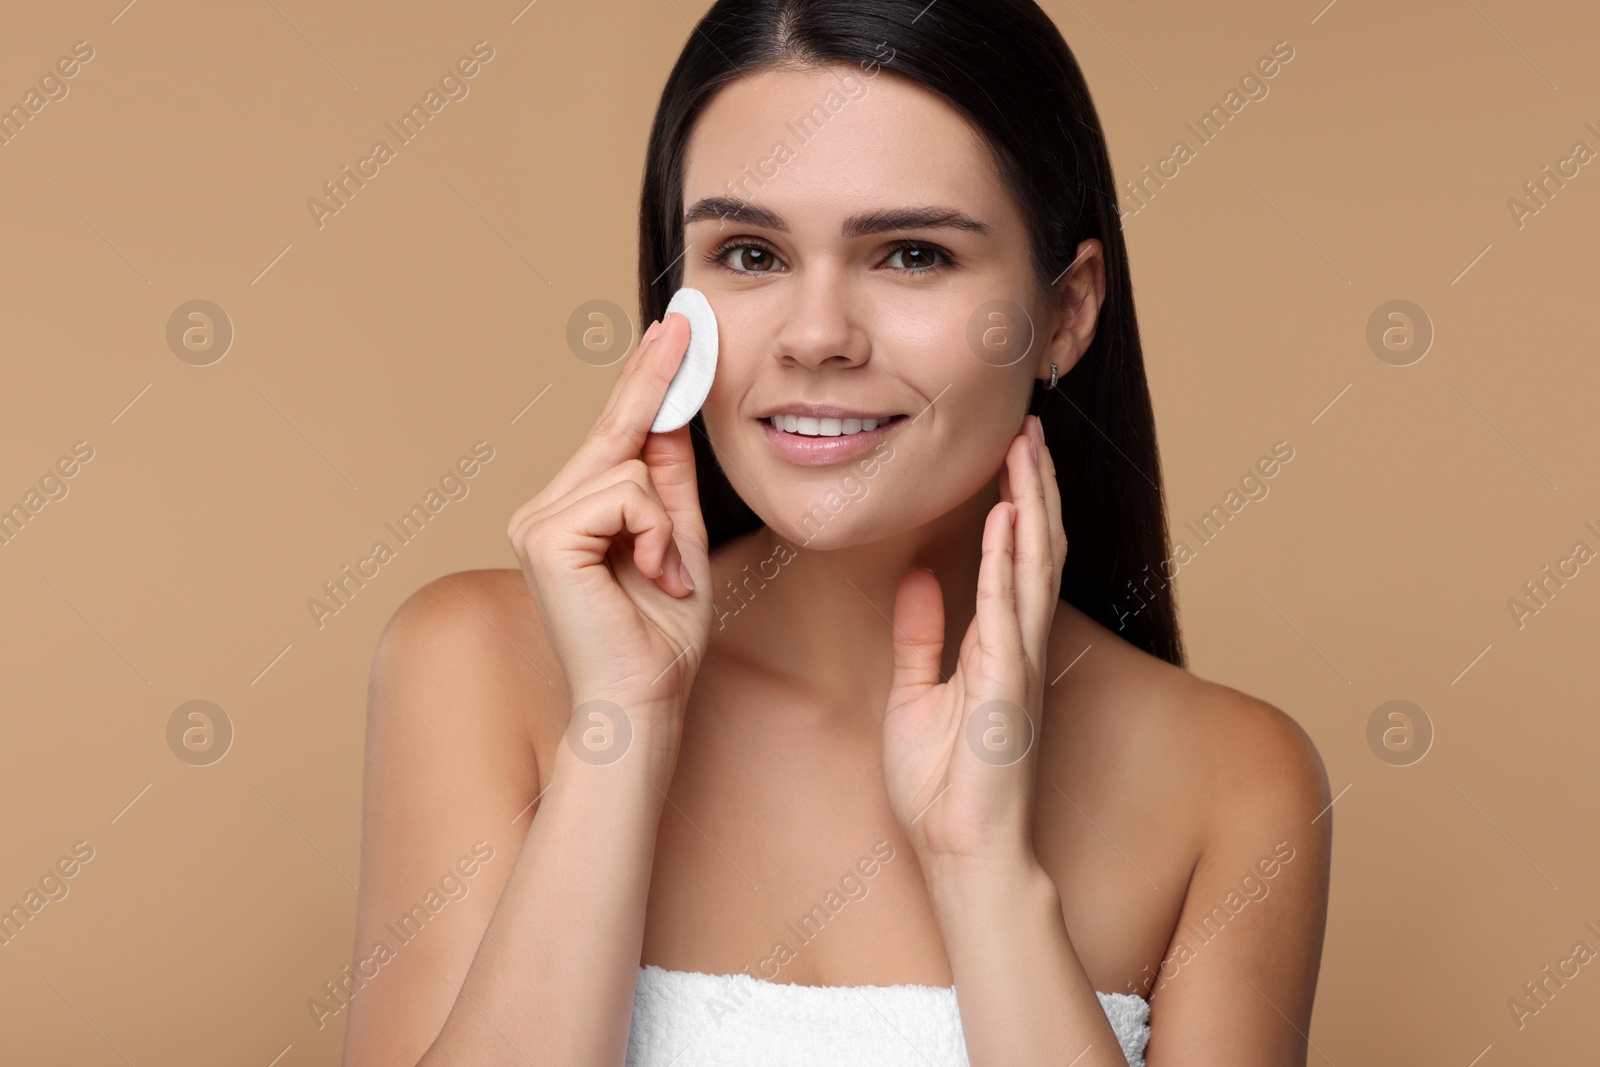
x,y
819,145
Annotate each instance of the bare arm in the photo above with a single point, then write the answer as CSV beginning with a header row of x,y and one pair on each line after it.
x,y
449,761
542,971
1237,984
553,980
532,958
1023,992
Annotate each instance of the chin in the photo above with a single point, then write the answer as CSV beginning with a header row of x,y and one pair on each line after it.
x,y
816,527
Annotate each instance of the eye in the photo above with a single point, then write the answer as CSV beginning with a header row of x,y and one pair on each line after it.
x,y
754,257
758,258
918,258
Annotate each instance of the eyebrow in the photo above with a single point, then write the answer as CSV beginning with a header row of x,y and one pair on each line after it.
x,y
883,220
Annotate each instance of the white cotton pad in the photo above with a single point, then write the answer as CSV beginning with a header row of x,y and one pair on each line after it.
x,y
692,382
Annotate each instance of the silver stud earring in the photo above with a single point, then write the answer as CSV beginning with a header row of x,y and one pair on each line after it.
x,y
1054,373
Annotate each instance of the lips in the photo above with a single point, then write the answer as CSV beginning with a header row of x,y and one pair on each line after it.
x,y
825,448
809,426
826,411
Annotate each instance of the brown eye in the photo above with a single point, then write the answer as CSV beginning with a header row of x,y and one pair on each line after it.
x,y
920,259
756,258
746,258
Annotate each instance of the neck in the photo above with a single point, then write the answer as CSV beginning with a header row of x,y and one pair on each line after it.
x,y
822,620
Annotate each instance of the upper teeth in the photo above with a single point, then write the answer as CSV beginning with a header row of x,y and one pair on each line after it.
x,y
823,427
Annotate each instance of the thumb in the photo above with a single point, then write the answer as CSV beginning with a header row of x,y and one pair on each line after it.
x,y
918,635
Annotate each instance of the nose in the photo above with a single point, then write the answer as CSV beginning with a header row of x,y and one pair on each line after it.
x,y
822,329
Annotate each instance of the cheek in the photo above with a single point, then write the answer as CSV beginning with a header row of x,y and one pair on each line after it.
x,y
982,408
975,422
721,410
964,451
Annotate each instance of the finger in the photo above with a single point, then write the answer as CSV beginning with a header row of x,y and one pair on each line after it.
x,y
1005,473
1033,549
622,427
670,458
650,348
635,470
566,555
666,469
1052,507
999,632
587,463
658,557
591,524
655,553
918,636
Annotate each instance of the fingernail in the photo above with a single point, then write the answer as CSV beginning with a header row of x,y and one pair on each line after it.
x,y
683,572
649,335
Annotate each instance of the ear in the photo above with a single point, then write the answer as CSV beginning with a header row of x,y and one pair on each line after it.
x,y
1078,293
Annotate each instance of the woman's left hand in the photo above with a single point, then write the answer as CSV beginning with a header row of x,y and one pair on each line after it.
x,y
959,756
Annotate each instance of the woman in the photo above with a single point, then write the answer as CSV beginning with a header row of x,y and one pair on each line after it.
x,y
731,776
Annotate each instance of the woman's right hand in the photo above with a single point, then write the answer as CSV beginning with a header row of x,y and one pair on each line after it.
x,y
601,546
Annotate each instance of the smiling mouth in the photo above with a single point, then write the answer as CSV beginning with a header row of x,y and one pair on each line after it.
x,y
803,426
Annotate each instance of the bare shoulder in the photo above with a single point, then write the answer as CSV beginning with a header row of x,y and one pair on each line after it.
x,y
1258,754
1196,775
1213,746
474,630
457,693
494,597
469,651
1224,798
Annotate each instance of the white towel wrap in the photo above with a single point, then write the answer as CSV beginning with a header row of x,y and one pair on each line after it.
x,y
694,1019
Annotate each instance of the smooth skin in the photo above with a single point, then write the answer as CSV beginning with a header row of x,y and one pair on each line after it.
x,y
772,740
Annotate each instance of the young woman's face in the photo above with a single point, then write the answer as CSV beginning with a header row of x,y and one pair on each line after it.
x,y
873,246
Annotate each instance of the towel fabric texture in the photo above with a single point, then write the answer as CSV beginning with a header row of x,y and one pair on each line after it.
x,y
693,1019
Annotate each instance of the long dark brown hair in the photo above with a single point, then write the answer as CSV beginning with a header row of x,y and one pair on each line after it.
x,y
1004,65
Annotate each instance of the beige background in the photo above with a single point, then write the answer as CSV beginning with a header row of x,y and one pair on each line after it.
x,y
371,353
